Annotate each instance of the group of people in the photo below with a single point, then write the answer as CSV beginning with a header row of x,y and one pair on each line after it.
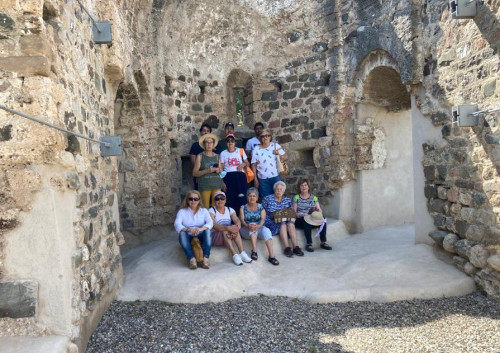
x,y
223,209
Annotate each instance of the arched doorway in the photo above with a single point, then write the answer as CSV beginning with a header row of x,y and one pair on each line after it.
x,y
383,188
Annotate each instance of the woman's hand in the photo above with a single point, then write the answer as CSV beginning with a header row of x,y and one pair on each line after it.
x,y
194,231
253,227
233,229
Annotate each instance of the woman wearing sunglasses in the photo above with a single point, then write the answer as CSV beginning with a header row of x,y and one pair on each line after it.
x,y
207,168
194,221
222,218
234,161
264,163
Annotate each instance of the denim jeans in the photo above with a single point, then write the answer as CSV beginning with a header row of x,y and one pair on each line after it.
x,y
205,238
266,186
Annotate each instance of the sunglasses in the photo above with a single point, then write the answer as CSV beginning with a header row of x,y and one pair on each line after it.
x,y
265,135
193,199
230,141
219,198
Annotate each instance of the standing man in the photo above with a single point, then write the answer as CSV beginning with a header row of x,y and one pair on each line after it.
x,y
196,149
258,127
228,129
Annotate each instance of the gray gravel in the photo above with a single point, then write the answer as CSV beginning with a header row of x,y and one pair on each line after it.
x,y
276,324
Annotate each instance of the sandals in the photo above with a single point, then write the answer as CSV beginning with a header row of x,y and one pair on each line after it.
x,y
309,248
325,246
274,261
254,255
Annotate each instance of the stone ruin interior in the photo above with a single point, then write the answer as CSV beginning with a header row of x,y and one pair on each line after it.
x,y
359,93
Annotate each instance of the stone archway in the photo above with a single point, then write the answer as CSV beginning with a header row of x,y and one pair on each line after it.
x,y
239,90
381,193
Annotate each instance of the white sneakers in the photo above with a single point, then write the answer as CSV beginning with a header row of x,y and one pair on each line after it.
x,y
244,256
238,259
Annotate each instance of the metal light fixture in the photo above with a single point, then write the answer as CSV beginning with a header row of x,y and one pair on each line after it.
x,y
467,114
463,8
101,30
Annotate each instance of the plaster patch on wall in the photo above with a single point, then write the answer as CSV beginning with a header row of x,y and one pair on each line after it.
x,y
270,7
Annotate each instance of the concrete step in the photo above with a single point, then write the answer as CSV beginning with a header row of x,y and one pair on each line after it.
x,y
33,344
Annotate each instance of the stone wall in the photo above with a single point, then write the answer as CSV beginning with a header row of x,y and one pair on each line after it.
x,y
463,175
319,73
59,211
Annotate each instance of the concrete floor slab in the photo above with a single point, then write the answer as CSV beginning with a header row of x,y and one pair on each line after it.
x,y
380,265
28,344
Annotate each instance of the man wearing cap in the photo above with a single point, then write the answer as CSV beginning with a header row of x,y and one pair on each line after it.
x,y
228,128
234,161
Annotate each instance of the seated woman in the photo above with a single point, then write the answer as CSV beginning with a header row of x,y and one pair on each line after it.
x,y
285,228
194,221
222,217
253,216
305,203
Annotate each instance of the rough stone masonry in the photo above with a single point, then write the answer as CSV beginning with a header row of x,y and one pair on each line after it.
x,y
337,82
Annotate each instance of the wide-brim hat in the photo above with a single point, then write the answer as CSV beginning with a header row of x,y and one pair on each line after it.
x,y
208,136
315,218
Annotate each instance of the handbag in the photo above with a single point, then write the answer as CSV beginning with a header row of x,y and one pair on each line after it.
x,y
283,215
248,171
281,164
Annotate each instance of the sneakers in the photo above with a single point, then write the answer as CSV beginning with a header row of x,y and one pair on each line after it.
x,y
237,260
298,251
244,257
192,264
288,252
206,263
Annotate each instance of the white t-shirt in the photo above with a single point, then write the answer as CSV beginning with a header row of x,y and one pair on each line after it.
x,y
254,141
231,160
222,219
266,160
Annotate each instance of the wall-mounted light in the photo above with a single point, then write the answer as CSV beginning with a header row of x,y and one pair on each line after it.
x,y
467,114
463,8
101,30
461,115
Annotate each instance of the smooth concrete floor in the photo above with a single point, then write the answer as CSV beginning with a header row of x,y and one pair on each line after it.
x,y
379,265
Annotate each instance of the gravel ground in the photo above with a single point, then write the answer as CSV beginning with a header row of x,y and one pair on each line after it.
x,y
277,324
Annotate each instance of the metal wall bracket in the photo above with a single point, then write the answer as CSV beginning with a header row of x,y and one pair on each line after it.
x,y
101,32
111,146
463,8
464,115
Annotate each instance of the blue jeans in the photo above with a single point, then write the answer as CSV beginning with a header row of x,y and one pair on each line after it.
x,y
266,186
205,238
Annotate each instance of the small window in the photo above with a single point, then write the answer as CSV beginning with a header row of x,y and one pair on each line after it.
x,y
239,101
306,158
